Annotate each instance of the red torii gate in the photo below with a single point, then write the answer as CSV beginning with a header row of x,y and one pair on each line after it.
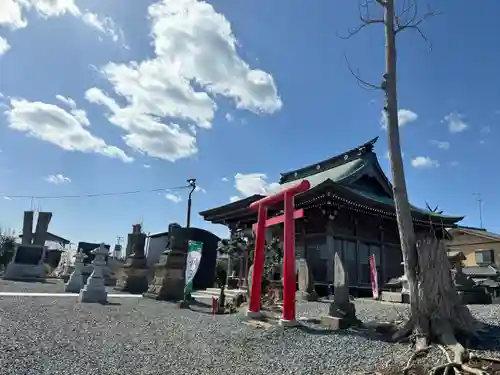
x,y
287,196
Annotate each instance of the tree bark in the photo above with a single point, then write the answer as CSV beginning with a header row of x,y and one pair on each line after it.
x,y
435,307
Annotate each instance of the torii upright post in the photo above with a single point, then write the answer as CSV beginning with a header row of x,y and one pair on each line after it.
x,y
286,196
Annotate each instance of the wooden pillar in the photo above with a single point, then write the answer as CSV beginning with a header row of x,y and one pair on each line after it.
x,y
330,245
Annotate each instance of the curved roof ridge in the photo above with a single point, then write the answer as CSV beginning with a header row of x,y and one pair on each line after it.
x,y
328,163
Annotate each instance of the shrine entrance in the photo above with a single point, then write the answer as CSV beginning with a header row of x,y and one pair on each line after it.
x,y
287,196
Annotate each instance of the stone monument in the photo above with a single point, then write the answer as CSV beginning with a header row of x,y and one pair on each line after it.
x,y
135,272
306,290
27,263
169,273
342,313
95,290
75,281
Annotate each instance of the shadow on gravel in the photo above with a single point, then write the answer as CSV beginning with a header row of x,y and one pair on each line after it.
x,y
111,304
489,339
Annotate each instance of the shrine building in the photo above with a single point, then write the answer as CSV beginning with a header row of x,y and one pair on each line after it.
x,y
348,209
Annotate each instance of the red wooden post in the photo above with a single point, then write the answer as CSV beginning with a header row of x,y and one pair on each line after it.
x,y
287,196
289,261
258,261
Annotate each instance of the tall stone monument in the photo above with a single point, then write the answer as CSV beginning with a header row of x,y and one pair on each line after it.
x,y
75,281
27,263
342,312
95,290
306,290
135,272
169,273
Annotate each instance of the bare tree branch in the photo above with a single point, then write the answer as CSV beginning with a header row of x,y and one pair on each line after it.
x,y
362,83
364,17
413,22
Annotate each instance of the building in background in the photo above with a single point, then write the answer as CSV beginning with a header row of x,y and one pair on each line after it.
x,y
480,247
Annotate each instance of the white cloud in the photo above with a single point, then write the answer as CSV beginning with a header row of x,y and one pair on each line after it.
x,y
79,114
173,197
454,163
424,162
224,179
486,129
229,117
57,179
7,198
53,124
443,145
199,189
405,116
147,166
106,26
253,183
12,15
234,198
4,45
196,60
455,122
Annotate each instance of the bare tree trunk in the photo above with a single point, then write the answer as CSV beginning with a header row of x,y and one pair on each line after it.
x,y
436,309
402,205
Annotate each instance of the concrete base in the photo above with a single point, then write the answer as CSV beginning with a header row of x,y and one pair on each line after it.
x,y
93,296
334,323
75,283
306,296
135,281
18,271
395,297
94,291
254,315
288,323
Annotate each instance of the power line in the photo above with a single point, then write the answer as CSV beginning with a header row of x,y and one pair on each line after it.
x,y
94,194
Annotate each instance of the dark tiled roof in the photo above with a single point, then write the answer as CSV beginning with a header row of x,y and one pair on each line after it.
x,y
481,271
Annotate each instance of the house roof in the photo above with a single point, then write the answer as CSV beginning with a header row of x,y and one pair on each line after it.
x,y
159,234
478,232
484,271
355,175
53,237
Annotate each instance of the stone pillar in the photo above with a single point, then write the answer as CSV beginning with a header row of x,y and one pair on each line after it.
x,y
75,282
229,269
95,290
42,226
135,272
169,277
27,228
342,312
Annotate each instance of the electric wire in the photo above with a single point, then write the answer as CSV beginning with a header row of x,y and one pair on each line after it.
x,y
106,194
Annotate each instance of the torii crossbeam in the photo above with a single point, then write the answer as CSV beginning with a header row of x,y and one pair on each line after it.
x,y
289,215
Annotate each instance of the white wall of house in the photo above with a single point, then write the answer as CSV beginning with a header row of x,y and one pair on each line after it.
x,y
154,247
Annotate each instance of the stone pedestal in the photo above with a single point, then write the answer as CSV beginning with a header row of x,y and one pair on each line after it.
x,y
27,264
342,312
75,281
95,290
135,276
169,273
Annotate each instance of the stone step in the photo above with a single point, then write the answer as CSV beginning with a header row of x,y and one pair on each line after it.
x,y
215,292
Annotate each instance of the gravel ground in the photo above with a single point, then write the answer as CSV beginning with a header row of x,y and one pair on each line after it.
x,y
57,335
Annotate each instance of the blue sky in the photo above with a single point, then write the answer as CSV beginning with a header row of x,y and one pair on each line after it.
x,y
110,96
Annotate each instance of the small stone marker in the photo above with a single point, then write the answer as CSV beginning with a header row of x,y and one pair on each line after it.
x,y
306,290
95,290
342,312
75,282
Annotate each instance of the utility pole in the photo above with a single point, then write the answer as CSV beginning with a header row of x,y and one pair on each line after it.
x,y
479,201
192,184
